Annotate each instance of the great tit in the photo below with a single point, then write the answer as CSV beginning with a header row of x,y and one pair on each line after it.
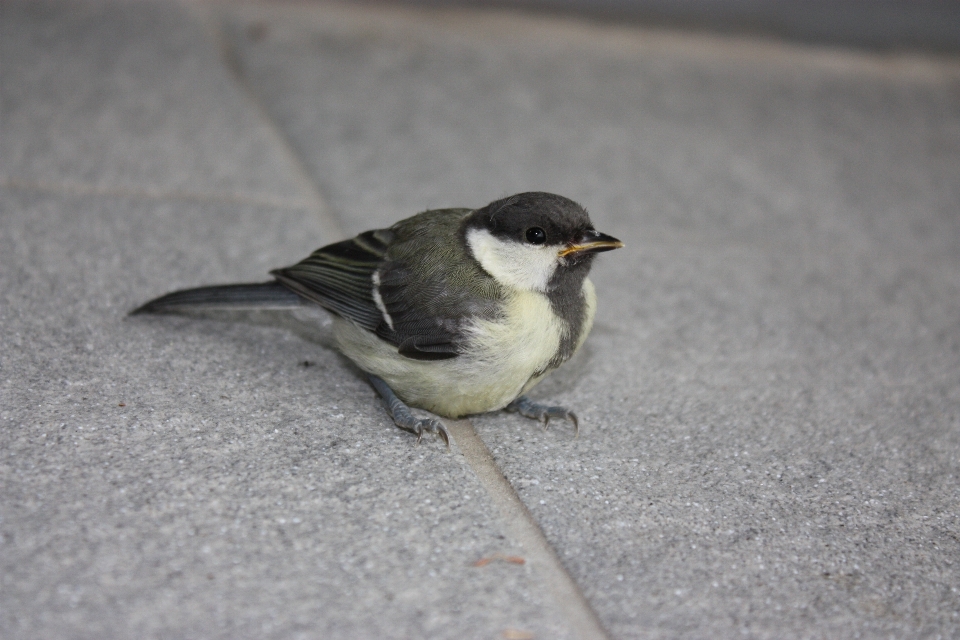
x,y
455,311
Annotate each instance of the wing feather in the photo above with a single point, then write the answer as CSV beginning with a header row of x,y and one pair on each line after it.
x,y
339,277
429,290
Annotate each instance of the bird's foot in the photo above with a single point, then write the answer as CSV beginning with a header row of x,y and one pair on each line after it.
x,y
404,418
542,412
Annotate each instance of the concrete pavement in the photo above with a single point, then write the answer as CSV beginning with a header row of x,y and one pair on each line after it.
x,y
770,399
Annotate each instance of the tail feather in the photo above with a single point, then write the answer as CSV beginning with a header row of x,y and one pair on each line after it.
x,y
265,295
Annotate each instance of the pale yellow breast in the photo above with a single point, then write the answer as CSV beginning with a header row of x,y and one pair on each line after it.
x,y
501,363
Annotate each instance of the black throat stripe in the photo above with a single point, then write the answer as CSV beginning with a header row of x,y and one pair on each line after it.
x,y
565,292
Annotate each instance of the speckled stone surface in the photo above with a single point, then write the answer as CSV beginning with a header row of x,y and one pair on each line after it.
x,y
770,399
129,96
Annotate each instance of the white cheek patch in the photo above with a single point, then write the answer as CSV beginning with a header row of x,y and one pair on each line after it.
x,y
521,266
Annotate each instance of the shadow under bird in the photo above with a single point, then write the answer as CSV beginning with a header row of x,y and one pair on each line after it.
x,y
455,311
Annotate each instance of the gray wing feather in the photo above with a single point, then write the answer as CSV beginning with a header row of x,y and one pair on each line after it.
x,y
339,277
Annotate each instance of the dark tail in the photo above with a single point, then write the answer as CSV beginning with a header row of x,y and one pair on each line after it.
x,y
266,295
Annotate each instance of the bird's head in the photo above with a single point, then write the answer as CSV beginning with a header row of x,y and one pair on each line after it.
x,y
533,240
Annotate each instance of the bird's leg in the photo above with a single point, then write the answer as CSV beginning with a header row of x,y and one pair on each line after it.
x,y
402,415
542,412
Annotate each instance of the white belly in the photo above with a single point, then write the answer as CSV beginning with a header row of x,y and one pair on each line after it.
x,y
501,365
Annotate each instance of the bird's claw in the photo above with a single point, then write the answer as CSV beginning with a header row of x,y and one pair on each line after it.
x,y
429,425
560,412
542,412
404,418
419,426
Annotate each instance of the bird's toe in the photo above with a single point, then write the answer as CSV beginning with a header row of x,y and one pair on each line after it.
x,y
542,412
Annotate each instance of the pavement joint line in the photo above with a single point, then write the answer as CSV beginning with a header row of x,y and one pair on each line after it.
x,y
525,530
213,24
70,187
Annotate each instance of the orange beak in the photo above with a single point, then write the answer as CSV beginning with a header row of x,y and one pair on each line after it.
x,y
591,242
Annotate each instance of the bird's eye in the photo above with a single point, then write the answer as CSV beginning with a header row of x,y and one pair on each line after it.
x,y
536,235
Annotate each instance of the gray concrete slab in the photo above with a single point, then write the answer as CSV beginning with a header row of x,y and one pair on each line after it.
x,y
770,399
888,25
178,477
169,477
129,97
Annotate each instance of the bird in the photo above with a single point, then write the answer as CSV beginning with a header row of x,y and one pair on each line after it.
x,y
454,311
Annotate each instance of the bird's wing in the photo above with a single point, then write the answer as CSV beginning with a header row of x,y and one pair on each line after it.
x,y
420,304
416,326
433,292
339,277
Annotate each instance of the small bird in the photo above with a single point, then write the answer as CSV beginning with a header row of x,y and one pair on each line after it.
x,y
455,311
